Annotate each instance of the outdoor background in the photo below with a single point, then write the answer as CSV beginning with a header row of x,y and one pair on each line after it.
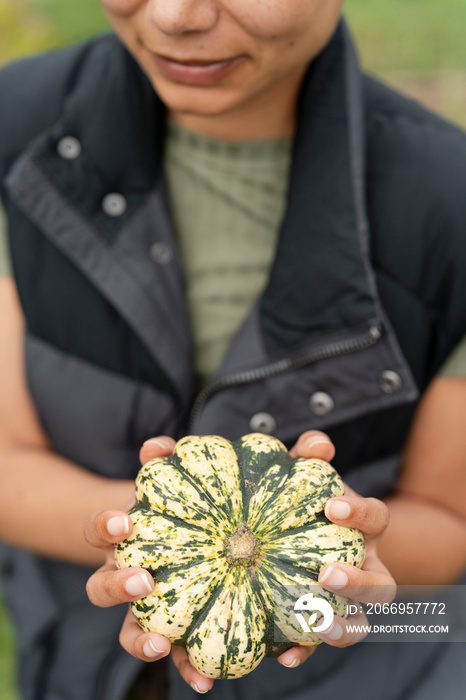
x,y
416,45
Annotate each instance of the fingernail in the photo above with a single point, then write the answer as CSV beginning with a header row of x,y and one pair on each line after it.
x,y
317,440
292,664
334,577
138,584
334,633
118,525
158,442
150,650
194,687
337,510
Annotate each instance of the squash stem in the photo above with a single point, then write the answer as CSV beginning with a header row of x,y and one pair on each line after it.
x,y
241,547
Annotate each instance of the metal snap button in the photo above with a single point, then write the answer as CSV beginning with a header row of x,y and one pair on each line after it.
x,y
69,147
161,253
263,423
390,382
114,204
321,403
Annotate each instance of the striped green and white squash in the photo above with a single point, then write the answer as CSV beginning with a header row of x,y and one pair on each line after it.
x,y
229,531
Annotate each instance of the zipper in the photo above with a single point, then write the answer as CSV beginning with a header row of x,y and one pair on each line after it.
x,y
335,349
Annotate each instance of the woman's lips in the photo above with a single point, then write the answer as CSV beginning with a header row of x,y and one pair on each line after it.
x,y
195,72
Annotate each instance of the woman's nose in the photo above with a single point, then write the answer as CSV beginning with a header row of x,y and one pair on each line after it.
x,y
176,17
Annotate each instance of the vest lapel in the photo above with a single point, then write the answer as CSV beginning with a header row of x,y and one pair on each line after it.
x,y
322,277
120,152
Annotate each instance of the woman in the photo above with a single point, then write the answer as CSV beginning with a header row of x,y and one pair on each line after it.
x,y
330,213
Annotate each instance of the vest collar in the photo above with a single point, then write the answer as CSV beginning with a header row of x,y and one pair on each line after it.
x,y
322,279
118,120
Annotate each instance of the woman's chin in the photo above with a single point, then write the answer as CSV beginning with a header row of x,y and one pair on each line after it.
x,y
200,101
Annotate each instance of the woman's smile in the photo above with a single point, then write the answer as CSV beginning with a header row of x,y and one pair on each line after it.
x,y
230,68
195,72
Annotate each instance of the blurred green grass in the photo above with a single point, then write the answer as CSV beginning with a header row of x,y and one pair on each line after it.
x,y
410,35
71,20
7,658
417,45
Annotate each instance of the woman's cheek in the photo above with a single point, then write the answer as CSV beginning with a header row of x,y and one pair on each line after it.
x,y
270,19
285,20
122,7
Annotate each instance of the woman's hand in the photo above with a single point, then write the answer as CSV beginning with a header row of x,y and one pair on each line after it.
x,y
372,583
111,586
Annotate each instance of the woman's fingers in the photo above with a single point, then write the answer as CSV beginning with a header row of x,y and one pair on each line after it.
x,y
111,526
341,633
372,583
109,586
345,633
160,446
148,646
107,527
188,673
367,514
313,443
364,586
294,657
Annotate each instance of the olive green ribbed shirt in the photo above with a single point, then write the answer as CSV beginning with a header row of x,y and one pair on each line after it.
x,y
227,201
455,366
